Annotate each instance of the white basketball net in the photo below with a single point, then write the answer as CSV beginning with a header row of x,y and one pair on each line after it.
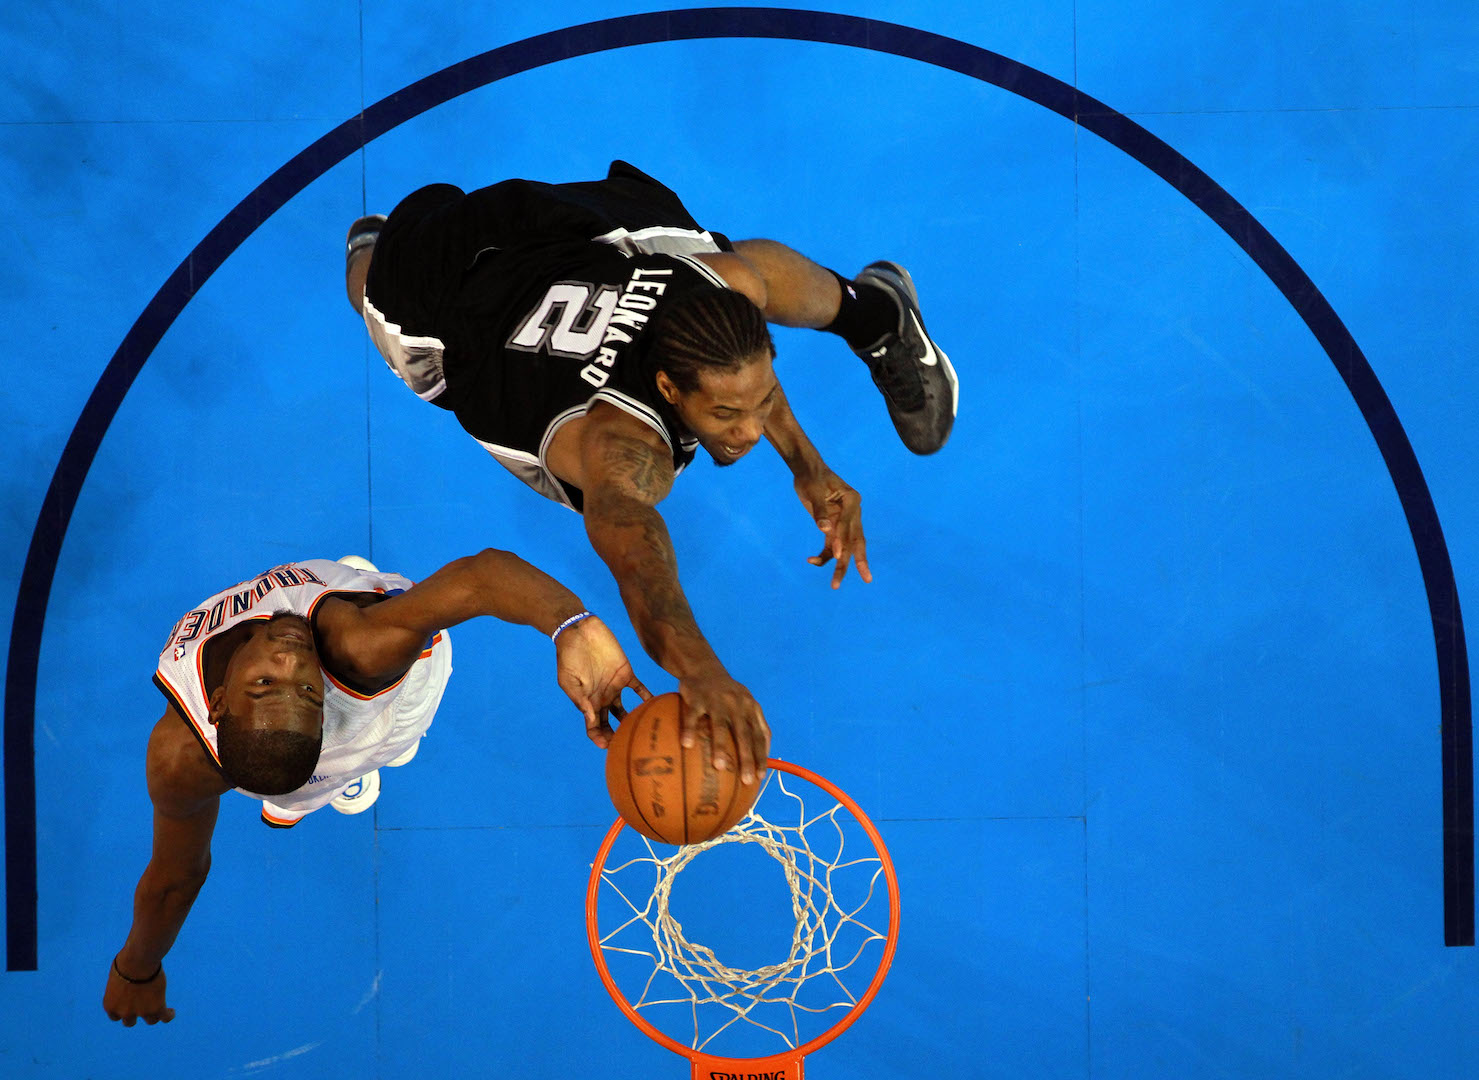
x,y
828,939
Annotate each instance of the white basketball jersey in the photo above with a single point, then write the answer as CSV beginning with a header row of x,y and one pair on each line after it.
x,y
361,731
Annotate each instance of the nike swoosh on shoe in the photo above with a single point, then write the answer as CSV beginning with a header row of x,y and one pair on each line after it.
x,y
928,359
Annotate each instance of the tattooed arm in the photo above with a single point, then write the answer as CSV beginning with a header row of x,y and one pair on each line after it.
x,y
627,470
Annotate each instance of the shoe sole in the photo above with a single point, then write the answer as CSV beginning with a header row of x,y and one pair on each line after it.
x,y
362,234
361,800
364,227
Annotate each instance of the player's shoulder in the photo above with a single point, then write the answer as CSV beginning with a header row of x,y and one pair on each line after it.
x,y
181,773
614,434
352,631
622,455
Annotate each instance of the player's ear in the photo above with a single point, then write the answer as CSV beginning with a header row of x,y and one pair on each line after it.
x,y
217,702
667,388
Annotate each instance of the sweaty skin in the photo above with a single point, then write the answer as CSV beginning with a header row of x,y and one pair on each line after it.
x,y
367,647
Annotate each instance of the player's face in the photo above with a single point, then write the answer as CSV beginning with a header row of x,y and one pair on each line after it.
x,y
274,674
728,411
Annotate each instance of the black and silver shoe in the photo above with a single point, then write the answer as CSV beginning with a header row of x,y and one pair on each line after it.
x,y
361,239
364,232
916,379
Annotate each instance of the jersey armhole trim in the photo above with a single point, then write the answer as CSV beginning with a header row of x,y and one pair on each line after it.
x,y
174,699
358,695
642,411
703,268
542,458
339,684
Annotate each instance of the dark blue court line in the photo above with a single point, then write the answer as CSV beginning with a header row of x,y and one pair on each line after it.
x,y
535,52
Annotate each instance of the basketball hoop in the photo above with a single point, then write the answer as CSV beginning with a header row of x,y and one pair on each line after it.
x,y
843,925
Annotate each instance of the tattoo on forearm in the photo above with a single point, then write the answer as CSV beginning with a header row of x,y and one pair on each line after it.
x,y
648,574
668,615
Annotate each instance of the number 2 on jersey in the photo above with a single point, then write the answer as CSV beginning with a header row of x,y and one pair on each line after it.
x,y
568,321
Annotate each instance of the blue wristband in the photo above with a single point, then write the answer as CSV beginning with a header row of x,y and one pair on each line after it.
x,y
568,623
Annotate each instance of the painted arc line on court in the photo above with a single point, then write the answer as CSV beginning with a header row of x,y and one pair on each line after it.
x,y
705,23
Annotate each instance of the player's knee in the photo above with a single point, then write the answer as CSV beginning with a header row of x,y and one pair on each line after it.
x,y
745,277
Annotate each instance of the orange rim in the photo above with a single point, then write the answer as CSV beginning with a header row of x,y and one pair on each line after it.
x,y
593,934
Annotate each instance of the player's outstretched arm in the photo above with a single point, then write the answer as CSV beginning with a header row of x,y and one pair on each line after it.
x,y
186,793
375,645
627,470
380,641
834,506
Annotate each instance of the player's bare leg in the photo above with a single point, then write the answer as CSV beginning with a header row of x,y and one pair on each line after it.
x,y
798,291
877,314
360,246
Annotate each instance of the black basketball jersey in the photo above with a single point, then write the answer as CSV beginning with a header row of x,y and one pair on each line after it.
x,y
541,333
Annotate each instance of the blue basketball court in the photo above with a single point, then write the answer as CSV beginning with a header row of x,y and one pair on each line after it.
x,y
1159,697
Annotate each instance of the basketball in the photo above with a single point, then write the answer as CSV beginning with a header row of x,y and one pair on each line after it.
x,y
665,792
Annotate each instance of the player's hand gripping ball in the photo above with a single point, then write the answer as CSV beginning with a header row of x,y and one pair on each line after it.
x,y
668,793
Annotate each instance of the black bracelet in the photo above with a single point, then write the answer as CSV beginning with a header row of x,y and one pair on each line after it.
x,y
137,982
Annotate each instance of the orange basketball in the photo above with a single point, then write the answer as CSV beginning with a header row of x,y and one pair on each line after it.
x,y
665,792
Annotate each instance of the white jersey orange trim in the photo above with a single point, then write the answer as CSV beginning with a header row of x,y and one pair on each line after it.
x,y
361,731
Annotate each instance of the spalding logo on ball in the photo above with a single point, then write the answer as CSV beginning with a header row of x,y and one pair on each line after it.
x,y
664,791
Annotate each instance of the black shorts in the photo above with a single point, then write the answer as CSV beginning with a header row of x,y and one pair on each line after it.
x,y
518,306
435,236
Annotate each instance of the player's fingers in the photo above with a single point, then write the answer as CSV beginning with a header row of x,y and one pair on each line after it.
x,y
747,754
642,691
841,572
762,745
723,745
130,1021
708,737
167,1015
688,721
762,753
759,740
596,727
609,692
858,545
824,556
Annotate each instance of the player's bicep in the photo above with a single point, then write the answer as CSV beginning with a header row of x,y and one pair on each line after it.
x,y
624,459
185,790
370,644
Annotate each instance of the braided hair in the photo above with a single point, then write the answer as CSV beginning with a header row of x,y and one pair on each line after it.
x,y
713,329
